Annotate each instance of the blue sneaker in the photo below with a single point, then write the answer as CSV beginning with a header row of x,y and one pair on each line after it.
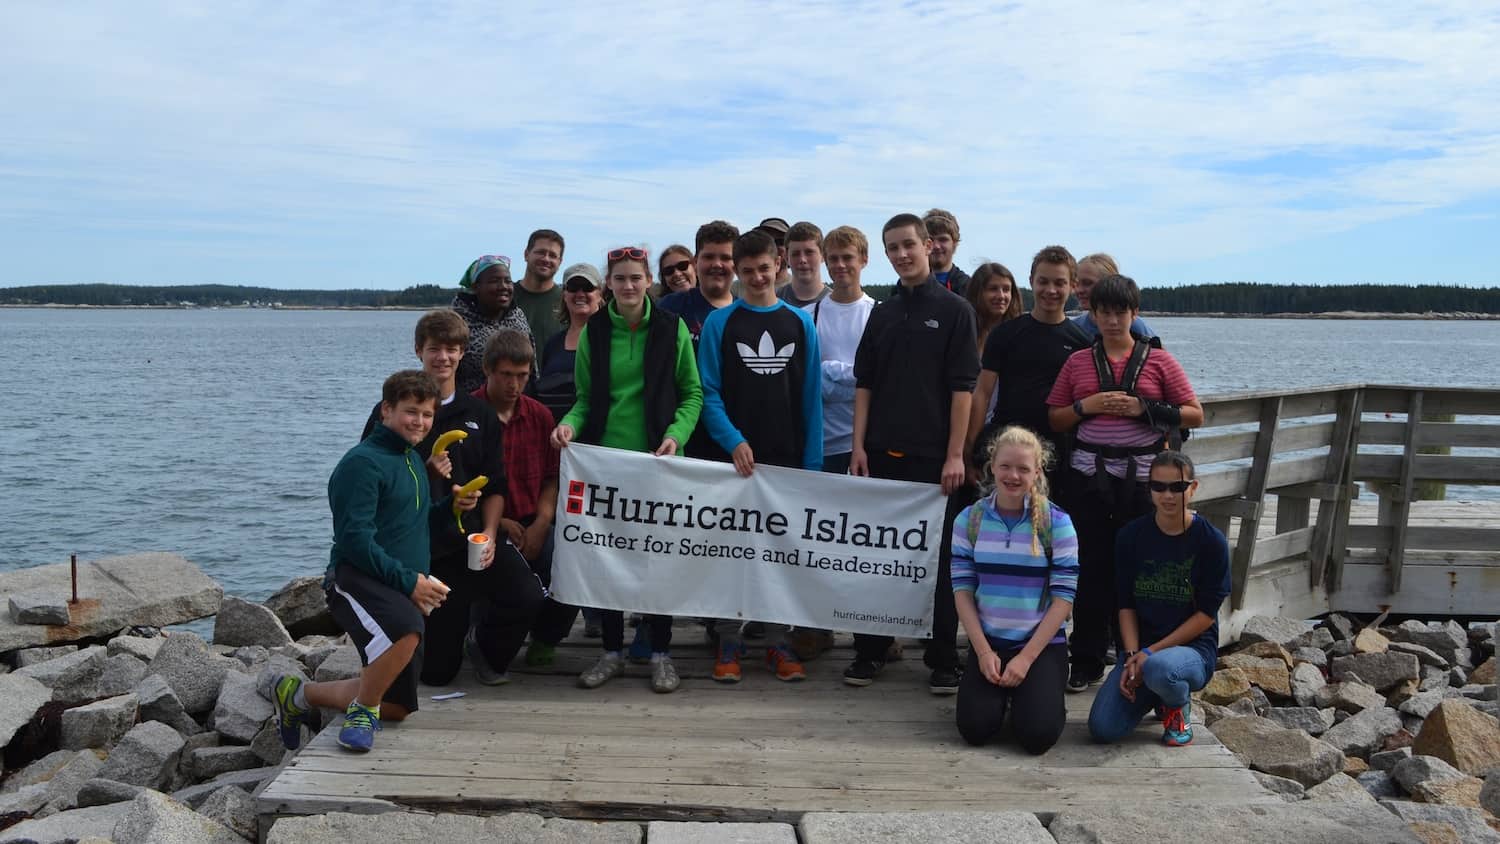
x,y
360,724
289,718
640,647
1177,726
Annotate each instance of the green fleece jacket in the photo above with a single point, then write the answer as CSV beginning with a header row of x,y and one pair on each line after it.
x,y
383,510
626,424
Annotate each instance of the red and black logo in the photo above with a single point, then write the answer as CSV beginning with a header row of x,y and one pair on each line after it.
x,y
575,497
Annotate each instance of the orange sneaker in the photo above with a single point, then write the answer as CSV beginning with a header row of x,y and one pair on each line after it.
x,y
781,660
727,666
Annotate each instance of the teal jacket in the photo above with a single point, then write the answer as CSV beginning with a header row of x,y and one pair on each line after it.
x,y
383,511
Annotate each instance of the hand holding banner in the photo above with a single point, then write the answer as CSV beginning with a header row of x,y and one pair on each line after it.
x,y
677,536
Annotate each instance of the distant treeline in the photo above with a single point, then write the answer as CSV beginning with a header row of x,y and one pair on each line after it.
x,y
1248,298
1239,298
223,295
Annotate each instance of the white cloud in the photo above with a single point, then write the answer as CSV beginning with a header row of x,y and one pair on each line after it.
x,y
1131,127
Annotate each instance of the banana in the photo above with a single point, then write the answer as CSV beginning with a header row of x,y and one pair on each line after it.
x,y
472,486
447,439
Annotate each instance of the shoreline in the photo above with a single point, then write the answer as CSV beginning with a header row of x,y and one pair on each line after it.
x,y
1443,316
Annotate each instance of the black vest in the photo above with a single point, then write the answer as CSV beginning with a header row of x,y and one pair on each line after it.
x,y
659,371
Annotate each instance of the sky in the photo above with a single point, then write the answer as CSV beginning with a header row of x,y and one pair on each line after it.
x,y
332,145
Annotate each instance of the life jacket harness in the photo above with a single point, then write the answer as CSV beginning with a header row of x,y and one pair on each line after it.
x,y
1127,384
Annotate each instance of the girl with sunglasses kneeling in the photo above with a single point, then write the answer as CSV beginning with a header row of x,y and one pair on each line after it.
x,y
638,389
1171,575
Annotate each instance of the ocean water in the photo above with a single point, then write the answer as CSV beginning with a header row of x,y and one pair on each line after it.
x,y
211,433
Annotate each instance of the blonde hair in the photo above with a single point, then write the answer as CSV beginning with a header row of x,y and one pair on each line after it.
x,y
1041,507
1104,262
847,237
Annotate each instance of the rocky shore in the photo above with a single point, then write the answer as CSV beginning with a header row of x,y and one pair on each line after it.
x,y
1400,715
113,729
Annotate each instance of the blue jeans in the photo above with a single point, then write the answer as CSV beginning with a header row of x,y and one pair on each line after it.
x,y
1169,675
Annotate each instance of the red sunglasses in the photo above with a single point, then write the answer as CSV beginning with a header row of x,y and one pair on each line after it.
x,y
632,253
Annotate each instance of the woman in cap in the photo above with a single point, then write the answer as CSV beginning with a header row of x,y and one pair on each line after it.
x,y
583,293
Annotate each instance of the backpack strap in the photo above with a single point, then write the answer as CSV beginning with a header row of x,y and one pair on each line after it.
x,y
976,517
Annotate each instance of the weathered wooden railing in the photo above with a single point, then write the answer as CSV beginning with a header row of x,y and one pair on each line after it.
x,y
1309,452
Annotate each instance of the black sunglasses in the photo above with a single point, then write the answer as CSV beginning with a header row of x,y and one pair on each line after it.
x,y
679,267
1174,487
578,285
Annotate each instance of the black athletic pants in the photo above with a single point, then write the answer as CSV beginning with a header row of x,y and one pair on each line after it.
x,y
1036,707
942,649
554,619
508,594
1098,513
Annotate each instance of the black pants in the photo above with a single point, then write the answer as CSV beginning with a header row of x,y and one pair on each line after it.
x,y
942,649
1098,513
508,595
1036,707
553,619
613,621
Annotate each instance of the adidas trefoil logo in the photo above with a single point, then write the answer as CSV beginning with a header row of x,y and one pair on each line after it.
x,y
767,360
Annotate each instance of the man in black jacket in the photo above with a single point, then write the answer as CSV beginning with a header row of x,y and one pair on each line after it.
x,y
914,375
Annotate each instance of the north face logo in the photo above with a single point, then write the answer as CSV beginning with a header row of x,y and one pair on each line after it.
x,y
767,360
473,426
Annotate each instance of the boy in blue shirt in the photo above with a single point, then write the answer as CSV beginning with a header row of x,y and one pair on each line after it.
x,y
762,376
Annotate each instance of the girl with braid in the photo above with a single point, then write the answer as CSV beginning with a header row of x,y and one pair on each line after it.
x,y
1015,569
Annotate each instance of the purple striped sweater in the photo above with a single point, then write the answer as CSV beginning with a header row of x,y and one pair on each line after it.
x,y
1008,581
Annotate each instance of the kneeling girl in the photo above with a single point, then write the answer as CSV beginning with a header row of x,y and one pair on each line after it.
x,y
1015,571
1171,575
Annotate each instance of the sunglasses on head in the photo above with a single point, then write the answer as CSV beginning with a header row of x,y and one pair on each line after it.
x,y
632,253
679,267
578,285
1174,487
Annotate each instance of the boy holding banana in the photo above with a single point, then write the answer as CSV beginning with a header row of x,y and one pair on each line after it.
x,y
377,582
465,445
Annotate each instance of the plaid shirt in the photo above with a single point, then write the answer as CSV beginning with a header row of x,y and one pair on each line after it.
x,y
530,458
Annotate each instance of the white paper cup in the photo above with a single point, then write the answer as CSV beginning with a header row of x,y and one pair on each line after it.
x,y
478,542
427,609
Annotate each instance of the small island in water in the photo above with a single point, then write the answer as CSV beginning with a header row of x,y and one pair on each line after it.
x,y
1238,299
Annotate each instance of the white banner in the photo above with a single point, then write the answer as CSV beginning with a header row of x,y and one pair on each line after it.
x,y
677,536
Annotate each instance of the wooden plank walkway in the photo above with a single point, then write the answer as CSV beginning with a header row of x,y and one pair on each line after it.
x,y
761,750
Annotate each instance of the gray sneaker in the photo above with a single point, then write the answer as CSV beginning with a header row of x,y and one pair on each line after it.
x,y
483,672
608,667
664,677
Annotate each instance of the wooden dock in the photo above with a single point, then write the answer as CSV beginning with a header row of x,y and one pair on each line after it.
x,y
1316,490
761,750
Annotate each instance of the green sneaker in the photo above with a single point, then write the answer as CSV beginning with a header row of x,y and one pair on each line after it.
x,y
540,655
289,717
